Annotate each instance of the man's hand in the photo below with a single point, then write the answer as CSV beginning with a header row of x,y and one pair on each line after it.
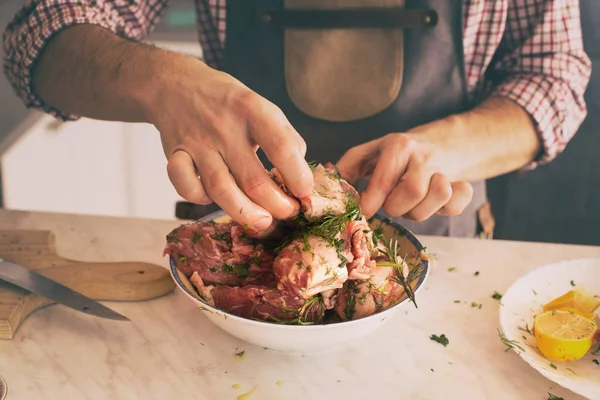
x,y
426,170
407,178
211,126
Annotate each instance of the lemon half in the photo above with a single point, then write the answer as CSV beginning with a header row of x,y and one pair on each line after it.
x,y
562,335
576,300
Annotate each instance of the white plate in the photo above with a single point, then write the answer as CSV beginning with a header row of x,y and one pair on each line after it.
x,y
525,298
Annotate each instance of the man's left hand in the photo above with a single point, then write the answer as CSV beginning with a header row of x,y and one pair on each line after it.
x,y
409,177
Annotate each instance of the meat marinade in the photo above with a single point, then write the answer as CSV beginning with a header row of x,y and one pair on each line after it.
x,y
324,265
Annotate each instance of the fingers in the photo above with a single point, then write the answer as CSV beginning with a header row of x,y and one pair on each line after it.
x,y
411,189
256,183
183,176
358,161
462,194
283,146
438,195
390,167
222,188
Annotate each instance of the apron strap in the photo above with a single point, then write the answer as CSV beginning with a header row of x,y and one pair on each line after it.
x,y
387,17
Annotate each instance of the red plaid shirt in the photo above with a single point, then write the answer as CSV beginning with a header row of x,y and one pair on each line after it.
x,y
530,51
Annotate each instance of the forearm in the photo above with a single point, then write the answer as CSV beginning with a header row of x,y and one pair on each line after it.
x,y
494,138
87,70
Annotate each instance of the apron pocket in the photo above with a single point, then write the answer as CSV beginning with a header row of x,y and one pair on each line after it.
x,y
343,74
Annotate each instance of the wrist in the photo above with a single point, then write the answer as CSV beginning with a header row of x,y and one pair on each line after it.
x,y
444,146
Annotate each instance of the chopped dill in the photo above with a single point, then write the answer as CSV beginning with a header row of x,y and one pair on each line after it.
x,y
553,366
240,354
442,339
510,344
526,329
496,295
452,269
553,397
328,227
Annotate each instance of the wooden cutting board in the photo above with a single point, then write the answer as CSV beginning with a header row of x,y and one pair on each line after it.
x,y
118,281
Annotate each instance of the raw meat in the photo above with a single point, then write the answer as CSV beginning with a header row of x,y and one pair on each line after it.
x,y
359,235
326,258
310,266
263,302
220,253
359,299
330,194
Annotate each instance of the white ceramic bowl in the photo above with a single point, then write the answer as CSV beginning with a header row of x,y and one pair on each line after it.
x,y
303,339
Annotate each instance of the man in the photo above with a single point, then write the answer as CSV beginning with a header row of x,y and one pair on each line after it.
x,y
419,102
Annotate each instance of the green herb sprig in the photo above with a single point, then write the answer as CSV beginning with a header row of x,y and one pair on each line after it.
x,y
510,344
395,261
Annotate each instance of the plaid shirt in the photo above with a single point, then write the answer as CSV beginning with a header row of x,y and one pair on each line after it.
x,y
530,51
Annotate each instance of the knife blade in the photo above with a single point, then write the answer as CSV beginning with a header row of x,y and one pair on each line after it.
x,y
52,290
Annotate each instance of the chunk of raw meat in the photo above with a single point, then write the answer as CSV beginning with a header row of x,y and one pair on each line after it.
x,y
221,253
330,195
309,266
359,299
263,302
360,237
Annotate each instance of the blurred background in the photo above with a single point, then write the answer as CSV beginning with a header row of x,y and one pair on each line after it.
x,y
118,169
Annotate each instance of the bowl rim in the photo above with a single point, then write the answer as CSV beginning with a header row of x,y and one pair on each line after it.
x,y
218,214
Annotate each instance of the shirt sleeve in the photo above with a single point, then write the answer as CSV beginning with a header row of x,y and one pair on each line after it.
x,y
38,21
542,66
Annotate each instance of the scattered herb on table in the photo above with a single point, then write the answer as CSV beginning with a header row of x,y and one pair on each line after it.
x,y
596,361
240,354
476,273
442,339
570,370
553,397
451,269
572,283
510,344
496,295
534,292
456,301
474,304
553,366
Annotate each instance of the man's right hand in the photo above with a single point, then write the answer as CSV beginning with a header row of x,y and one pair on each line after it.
x,y
211,126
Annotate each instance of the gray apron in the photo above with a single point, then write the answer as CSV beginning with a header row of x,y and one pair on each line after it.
x,y
345,76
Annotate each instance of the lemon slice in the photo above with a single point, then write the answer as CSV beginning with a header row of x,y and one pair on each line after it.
x,y
563,335
577,300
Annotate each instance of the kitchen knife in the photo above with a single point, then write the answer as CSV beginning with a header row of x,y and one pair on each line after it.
x,y
44,287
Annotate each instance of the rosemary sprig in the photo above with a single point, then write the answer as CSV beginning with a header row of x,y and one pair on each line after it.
x,y
510,344
399,264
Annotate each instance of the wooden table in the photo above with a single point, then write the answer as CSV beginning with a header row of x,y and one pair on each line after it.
x,y
169,350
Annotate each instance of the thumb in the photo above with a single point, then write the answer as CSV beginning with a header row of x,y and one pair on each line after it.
x,y
356,161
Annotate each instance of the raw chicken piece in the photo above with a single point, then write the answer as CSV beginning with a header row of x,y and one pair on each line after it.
x,y
262,302
360,237
359,299
330,298
310,266
220,253
330,194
